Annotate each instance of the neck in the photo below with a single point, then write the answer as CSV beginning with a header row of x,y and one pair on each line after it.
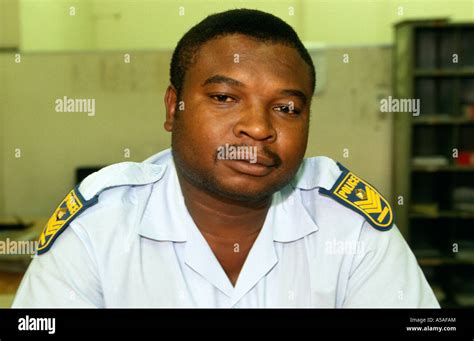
x,y
221,217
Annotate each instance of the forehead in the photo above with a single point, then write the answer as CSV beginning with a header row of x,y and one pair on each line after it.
x,y
251,60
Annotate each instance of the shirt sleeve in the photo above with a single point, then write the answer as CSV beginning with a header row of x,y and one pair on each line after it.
x,y
64,277
385,274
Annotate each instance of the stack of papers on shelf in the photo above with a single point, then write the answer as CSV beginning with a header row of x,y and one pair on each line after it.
x,y
430,208
465,300
430,161
463,199
465,250
426,252
464,288
439,292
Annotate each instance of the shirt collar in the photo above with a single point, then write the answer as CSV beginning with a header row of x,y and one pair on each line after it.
x,y
291,219
162,217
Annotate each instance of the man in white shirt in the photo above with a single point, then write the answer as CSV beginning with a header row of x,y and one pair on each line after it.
x,y
232,215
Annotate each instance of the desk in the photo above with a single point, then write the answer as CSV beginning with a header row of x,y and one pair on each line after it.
x,y
9,282
13,259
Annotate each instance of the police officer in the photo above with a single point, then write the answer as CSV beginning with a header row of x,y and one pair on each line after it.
x,y
256,226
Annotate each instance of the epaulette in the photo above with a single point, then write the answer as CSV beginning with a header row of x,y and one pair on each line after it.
x,y
86,194
361,197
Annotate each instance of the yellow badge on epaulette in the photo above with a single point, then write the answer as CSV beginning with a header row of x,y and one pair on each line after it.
x,y
69,208
357,194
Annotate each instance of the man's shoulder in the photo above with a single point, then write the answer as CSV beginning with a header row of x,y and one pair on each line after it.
x,y
119,181
323,177
315,172
104,197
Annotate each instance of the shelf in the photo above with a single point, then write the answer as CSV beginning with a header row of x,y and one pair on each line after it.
x,y
440,120
425,171
448,168
456,303
466,72
442,261
444,214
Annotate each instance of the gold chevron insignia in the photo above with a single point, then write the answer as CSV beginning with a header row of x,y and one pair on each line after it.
x,y
358,194
63,214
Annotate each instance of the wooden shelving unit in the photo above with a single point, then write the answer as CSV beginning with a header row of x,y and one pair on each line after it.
x,y
434,62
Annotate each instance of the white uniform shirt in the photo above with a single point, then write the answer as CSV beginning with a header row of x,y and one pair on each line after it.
x,y
139,247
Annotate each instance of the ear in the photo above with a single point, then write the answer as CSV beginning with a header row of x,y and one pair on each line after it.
x,y
171,98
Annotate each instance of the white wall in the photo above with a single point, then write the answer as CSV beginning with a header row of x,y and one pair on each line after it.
x,y
46,25
129,114
346,115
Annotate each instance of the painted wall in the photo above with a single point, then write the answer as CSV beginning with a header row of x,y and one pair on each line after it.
x,y
9,23
128,118
369,22
48,25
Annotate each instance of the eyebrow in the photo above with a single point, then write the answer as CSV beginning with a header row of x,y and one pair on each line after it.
x,y
296,93
219,79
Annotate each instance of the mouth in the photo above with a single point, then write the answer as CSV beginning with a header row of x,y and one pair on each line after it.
x,y
260,168
264,161
248,160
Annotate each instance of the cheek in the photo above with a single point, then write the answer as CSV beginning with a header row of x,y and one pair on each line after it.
x,y
210,128
198,136
292,144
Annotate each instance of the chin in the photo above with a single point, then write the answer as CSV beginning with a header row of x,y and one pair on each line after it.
x,y
243,196
246,190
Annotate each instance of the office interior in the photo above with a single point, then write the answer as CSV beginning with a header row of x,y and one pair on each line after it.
x,y
118,53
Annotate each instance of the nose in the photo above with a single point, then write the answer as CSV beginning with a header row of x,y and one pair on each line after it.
x,y
256,124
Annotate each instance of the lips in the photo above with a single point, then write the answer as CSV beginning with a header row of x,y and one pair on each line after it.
x,y
262,167
251,162
265,161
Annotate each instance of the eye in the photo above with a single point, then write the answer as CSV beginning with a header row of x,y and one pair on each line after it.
x,y
222,98
288,109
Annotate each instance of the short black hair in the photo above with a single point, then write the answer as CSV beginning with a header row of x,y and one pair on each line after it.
x,y
260,25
